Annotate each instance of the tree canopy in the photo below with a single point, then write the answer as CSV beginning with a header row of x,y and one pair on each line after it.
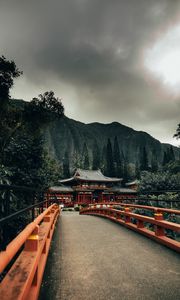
x,y
46,106
8,71
177,134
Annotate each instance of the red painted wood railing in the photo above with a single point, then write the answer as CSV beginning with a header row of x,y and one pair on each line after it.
x,y
134,206
126,217
24,279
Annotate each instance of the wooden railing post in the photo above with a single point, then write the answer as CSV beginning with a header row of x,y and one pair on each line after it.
x,y
127,218
140,224
159,231
158,216
32,242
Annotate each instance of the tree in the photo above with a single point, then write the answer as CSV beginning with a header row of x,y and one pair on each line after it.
x,y
154,162
144,160
96,156
125,172
117,158
172,167
29,162
137,171
109,159
76,160
168,156
103,160
85,157
9,117
159,181
8,71
45,108
165,159
171,154
66,171
177,134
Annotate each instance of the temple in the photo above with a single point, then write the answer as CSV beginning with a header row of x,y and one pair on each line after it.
x,y
90,186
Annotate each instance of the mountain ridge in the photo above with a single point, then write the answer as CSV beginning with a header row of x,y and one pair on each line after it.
x,y
67,134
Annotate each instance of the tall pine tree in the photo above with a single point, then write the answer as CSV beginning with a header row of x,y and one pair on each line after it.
x,y
171,154
144,160
109,160
154,162
103,160
66,171
85,157
117,158
137,170
96,156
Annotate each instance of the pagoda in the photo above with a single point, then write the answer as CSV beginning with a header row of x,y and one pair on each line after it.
x,y
90,186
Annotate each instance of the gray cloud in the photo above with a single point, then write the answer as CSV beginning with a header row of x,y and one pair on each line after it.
x,y
92,52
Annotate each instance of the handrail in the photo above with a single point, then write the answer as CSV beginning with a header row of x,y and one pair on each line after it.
x,y
25,276
153,208
14,246
127,218
146,207
19,212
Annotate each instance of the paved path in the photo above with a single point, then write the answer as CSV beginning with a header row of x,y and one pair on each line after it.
x,y
95,259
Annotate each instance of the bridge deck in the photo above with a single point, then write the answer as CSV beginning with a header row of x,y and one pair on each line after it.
x,y
92,259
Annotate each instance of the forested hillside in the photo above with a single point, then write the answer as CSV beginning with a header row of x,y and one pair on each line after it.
x,y
114,148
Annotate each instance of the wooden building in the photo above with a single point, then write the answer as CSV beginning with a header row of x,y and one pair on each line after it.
x,y
90,186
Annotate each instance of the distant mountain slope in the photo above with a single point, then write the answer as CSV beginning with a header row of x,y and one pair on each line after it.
x,y
68,134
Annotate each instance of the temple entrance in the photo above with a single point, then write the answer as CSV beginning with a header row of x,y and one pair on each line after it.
x,y
97,196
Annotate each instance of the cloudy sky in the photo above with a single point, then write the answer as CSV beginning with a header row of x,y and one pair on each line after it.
x,y
109,60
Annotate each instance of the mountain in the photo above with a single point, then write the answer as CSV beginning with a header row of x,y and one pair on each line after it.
x,y
69,135
66,137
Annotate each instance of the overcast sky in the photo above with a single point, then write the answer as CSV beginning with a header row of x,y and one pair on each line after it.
x,y
109,60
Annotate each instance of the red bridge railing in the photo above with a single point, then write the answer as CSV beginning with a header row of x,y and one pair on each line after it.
x,y
137,222
24,277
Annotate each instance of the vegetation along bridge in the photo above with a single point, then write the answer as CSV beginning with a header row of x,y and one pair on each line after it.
x,y
134,257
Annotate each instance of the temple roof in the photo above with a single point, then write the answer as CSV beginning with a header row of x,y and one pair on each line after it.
x,y
90,175
132,182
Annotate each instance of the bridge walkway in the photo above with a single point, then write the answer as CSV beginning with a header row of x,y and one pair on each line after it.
x,y
95,259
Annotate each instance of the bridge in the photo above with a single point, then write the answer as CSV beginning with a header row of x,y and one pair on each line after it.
x,y
101,253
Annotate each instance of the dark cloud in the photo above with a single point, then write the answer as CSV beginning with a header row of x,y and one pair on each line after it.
x,y
92,51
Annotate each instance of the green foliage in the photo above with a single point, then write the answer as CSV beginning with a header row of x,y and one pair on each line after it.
x,y
125,173
10,119
5,175
28,161
8,71
168,156
154,162
103,160
96,156
177,134
137,171
172,167
144,160
117,159
45,108
85,157
66,171
159,181
109,160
